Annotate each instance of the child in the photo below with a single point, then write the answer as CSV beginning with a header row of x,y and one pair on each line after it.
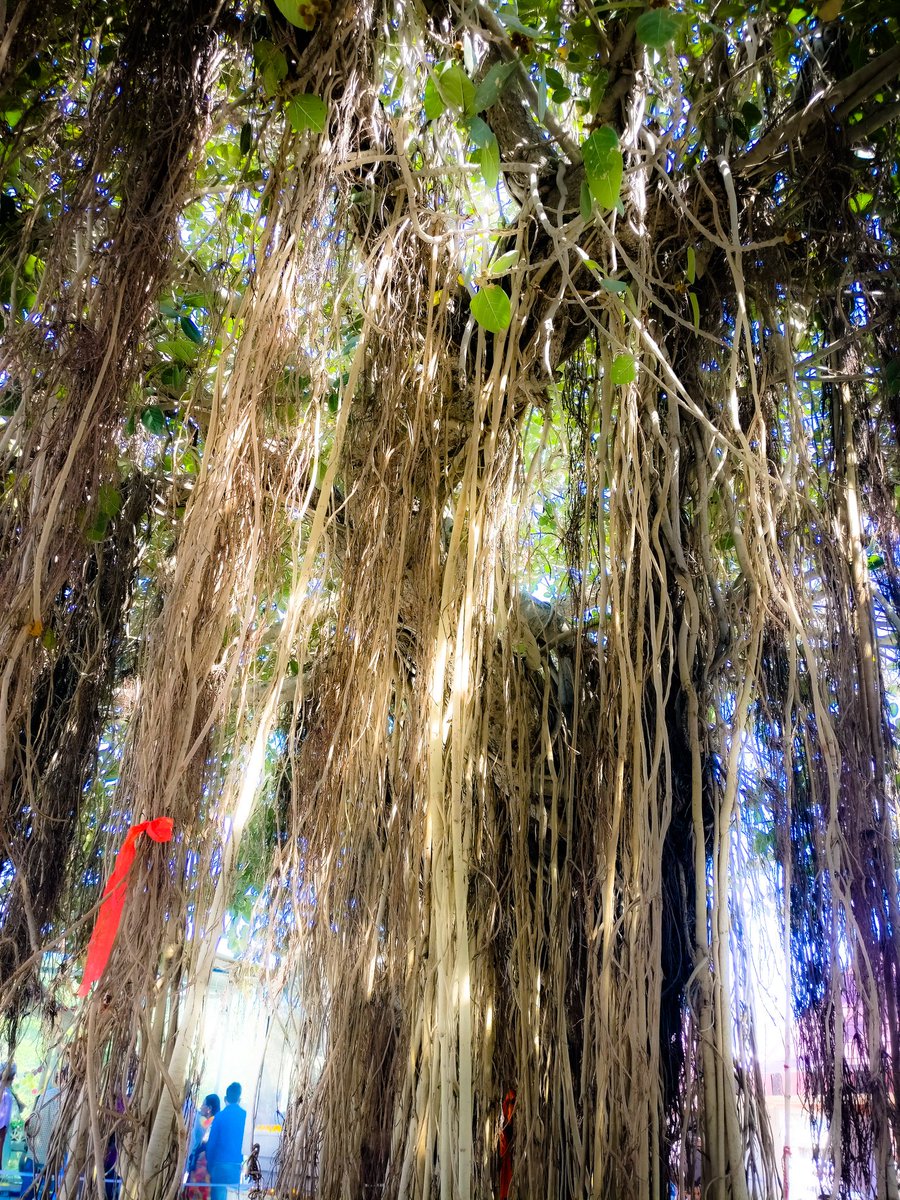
x,y
199,1175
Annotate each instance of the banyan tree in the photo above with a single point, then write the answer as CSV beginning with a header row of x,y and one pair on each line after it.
x,y
450,468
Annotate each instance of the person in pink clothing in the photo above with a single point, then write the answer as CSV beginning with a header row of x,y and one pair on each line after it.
x,y
7,1095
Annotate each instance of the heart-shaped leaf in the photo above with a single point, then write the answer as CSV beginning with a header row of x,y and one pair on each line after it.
x,y
307,112
623,369
491,308
656,28
456,89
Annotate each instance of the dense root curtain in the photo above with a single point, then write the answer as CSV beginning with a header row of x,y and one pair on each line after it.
x,y
503,831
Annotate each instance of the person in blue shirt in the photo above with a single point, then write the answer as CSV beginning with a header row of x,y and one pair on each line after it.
x,y
224,1145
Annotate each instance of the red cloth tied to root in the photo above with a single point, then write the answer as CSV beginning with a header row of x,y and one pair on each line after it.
x,y
506,1140
110,914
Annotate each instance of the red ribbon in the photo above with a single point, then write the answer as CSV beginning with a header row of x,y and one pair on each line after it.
x,y
110,914
506,1141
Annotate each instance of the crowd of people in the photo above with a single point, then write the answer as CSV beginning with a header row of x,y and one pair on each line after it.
x,y
214,1161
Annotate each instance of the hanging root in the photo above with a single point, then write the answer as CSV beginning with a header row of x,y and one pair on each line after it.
x,y
486,658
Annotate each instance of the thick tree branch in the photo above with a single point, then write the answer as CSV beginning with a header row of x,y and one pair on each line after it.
x,y
839,101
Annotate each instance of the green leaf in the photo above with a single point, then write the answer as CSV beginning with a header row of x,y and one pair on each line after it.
x,y
502,264
691,272
153,420
510,19
190,330
491,87
751,114
246,138
109,499
892,377
200,300
656,28
96,531
617,286
623,369
480,132
272,65
695,309
172,377
491,308
434,105
598,90
603,165
561,95
585,201
554,79
490,162
456,89
782,45
179,348
860,202
307,112
302,15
